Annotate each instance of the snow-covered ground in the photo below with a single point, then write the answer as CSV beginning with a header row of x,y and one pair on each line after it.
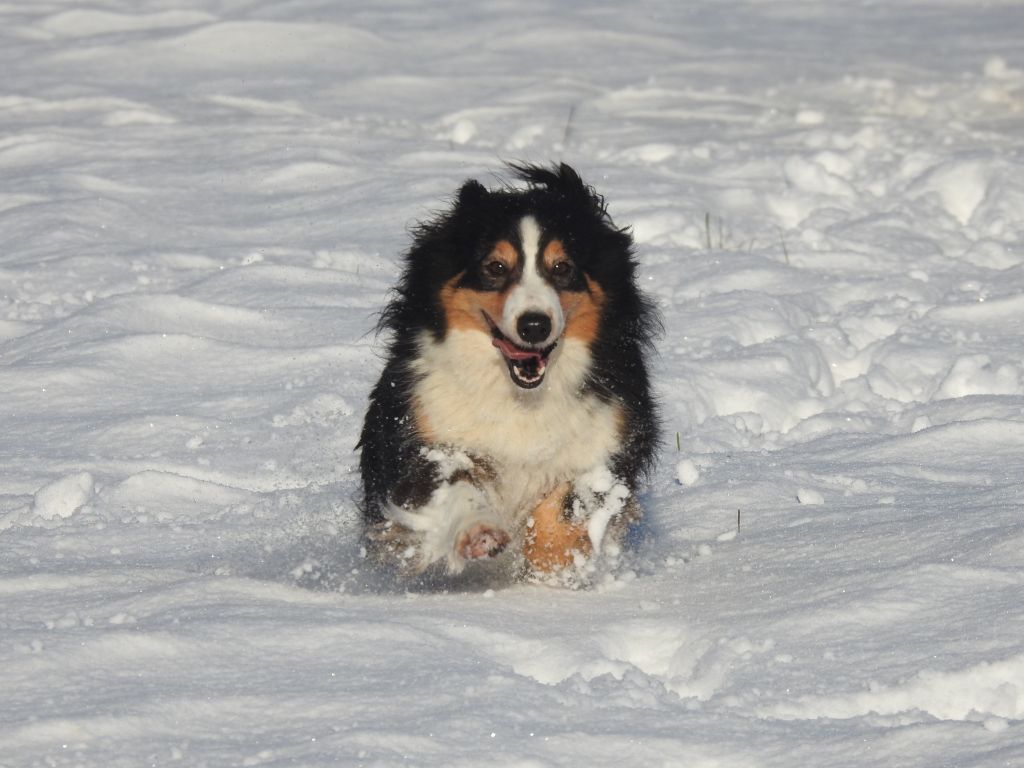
x,y
201,207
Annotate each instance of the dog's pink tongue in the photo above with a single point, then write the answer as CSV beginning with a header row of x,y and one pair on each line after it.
x,y
512,352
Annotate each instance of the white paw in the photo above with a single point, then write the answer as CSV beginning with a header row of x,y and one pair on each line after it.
x,y
457,525
482,542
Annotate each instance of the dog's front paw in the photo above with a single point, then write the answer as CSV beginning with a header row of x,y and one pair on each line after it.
x,y
481,542
455,526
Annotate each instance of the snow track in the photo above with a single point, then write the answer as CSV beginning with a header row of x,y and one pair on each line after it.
x,y
201,211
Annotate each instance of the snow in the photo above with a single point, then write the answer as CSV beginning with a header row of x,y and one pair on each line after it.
x,y
809,496
202,208
63,497
687,473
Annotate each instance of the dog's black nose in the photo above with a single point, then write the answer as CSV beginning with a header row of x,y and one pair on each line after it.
x,y
533,327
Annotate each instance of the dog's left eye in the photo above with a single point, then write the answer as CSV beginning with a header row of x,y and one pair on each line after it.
x,y
561,269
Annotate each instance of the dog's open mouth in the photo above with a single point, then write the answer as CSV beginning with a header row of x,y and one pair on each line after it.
x,y
526,366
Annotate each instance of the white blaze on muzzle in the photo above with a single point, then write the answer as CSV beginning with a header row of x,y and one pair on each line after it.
x,y
532,294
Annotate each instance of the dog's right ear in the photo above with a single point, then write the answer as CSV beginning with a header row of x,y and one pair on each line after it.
x,y
471,194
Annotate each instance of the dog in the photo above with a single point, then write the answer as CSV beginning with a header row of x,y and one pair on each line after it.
x,y
513,421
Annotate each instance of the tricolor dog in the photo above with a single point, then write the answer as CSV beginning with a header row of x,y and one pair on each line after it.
x,y
513,421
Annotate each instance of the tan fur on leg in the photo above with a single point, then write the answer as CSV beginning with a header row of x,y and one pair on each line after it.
x,y
552,541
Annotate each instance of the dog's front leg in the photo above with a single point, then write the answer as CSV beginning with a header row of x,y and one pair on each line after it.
x,y
442,511
575,520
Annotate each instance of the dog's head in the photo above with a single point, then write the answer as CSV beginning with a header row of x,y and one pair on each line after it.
x,y
528,267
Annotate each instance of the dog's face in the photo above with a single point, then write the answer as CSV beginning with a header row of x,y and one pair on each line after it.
x,y
523,286
536,272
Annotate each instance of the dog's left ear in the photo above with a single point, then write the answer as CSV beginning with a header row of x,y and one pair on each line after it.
x,y
581,193
570,182
562,180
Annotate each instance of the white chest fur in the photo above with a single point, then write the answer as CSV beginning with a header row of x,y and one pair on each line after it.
x,y
535,438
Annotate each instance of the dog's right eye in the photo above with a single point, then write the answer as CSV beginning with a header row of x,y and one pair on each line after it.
x,y
495,269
